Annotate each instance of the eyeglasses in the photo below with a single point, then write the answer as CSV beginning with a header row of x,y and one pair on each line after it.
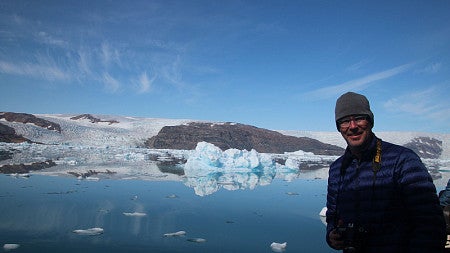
x,y
360,120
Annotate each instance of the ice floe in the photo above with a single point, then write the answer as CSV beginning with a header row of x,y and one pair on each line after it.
x,y
323,215
10,246
135,214
178,233
197,240
278,247
89,231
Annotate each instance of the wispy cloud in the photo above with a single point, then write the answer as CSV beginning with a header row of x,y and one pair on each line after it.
x,y
357,84
109,55
432,68
111,84
428,103
51,73
140,55
172,73
44,37
144,83
357,66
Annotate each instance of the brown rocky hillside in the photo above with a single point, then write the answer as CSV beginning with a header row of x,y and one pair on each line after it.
x,y
239,136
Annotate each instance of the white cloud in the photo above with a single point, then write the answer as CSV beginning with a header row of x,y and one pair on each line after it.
x,y
357,66
46,38
109,55
432,68
356,84
172,72
145,84
111,84
427,103
83,63
50,73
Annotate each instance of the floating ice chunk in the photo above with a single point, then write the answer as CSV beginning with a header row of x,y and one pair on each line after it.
x,y
135,214
23,175
10,246
89,231
92,178
323,216
278,247
179,233
197,240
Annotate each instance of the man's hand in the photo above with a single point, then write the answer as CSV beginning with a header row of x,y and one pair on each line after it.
x,y
336,240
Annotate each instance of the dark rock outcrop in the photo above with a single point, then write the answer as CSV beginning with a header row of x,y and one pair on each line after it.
x,y
8,134
5,155
93,119
25,168
30,118
239,136
90,173
426,147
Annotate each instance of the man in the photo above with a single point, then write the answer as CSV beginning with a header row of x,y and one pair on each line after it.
x,y
381,197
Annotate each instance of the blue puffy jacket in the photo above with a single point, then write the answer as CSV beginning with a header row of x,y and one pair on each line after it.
x,y
397,207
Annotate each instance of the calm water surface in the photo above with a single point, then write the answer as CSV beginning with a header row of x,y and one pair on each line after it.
x,y
41,212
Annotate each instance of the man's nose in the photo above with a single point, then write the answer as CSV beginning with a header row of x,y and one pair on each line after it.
x,y
353,124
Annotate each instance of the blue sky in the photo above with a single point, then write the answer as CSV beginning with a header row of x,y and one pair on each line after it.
x,y
272,64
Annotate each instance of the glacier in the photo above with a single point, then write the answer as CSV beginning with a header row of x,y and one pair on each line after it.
x,y
116,151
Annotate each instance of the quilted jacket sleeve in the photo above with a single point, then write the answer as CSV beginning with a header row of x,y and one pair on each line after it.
x,y
332,191
418,193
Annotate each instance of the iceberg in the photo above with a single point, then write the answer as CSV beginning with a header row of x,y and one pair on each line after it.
x,y
208,169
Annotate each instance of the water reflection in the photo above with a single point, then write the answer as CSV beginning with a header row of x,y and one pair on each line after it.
x,y
213,181
41,213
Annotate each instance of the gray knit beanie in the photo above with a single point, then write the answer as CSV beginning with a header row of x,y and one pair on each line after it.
x,y
352,103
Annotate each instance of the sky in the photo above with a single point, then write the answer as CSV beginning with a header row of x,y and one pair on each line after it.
x,y
277,64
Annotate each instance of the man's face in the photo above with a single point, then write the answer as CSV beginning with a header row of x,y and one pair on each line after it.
x,y
356,130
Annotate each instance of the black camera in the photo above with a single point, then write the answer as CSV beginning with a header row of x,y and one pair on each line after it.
x,y
353,237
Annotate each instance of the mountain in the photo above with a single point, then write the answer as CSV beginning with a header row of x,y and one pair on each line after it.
x,y
8,134
238,136
92,130
29,118
122,131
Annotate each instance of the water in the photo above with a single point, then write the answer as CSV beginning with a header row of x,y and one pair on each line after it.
x,y
41,212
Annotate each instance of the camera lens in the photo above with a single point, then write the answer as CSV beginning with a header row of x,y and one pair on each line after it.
x,y
350,249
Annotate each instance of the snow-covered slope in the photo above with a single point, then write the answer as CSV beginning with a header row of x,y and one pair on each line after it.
x,y
133,131
128,132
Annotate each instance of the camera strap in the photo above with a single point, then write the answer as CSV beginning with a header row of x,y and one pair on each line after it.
x,y
376,164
